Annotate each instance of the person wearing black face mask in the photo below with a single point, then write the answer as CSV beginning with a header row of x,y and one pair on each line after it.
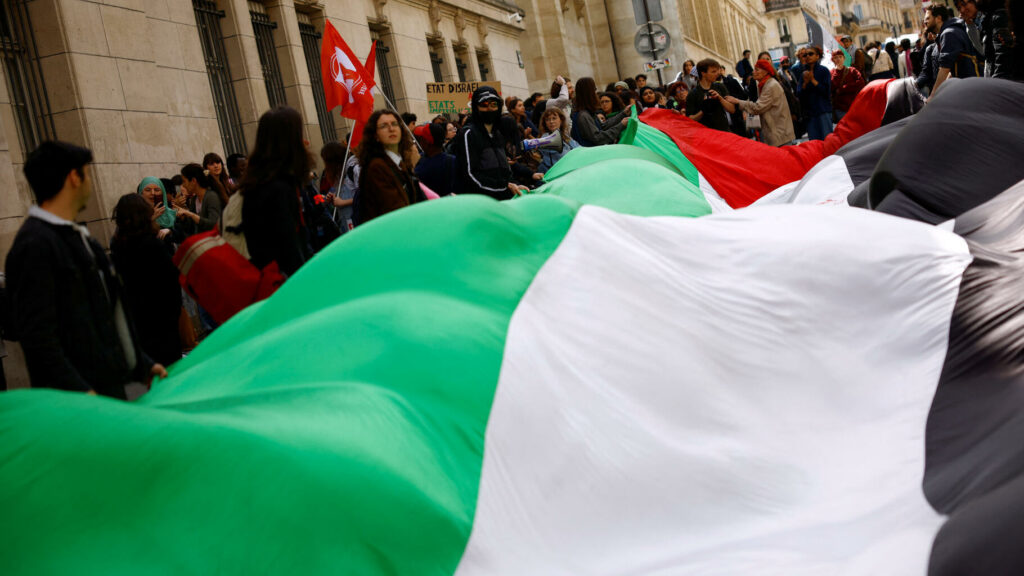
x,y
481,163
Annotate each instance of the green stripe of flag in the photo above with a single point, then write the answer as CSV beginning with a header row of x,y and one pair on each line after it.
x,y
336,428
639,134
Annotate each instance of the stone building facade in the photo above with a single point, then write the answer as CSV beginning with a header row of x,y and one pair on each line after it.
x,y
150,85
786,27
596,37
911,16
870,20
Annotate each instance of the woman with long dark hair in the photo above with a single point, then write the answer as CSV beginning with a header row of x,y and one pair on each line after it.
x,y
591,131
201,205
517,109
150,278
278,167
218,174
387,157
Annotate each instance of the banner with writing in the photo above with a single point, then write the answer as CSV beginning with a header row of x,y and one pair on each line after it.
x,y
453,97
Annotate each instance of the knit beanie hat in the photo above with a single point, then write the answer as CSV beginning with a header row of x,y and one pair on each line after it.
x,y
766,66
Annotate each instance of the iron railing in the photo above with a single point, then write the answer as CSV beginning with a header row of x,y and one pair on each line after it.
x,y
311,49
482,59
461,66
263,28
228,119
776,5
435,65
384,69
30,104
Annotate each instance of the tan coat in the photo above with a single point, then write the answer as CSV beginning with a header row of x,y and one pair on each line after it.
x,y
771,106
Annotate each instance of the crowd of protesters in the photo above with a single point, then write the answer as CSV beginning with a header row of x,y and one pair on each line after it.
x,y
95,322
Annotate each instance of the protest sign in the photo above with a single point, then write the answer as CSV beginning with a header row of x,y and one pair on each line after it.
x,y
453,97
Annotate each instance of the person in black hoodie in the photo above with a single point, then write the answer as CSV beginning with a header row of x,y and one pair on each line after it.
x,y
481,163
66,299
271,214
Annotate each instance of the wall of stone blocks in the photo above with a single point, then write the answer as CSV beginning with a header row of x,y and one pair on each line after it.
x,y
128,79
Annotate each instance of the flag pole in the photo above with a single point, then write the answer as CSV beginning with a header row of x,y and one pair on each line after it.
x,y
341,177
395,110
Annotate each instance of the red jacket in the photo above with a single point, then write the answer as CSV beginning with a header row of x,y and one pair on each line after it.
x,y
846,83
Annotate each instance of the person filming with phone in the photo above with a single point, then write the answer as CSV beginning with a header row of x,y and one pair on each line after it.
x,y
706,102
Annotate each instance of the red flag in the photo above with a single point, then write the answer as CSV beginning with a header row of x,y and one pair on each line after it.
x,y
346,81
371,65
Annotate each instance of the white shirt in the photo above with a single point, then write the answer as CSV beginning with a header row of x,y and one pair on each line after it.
x,y
394,157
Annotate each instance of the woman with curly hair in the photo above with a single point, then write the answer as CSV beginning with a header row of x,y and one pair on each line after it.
x,y
387,157
552,121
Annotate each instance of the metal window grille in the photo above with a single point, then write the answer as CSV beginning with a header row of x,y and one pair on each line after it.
x,y
435,65
230,122
311,49
481,60
384,69
263,28
460,65
30,104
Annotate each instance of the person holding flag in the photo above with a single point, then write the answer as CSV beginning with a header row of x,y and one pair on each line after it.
x,y
350,85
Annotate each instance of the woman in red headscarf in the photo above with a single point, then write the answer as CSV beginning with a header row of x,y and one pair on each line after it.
x,y
771,106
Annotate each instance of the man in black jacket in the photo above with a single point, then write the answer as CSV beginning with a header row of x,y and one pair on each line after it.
x,y
65,297
481,163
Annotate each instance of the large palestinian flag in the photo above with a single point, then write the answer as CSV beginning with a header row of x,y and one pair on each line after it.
x,y
539,387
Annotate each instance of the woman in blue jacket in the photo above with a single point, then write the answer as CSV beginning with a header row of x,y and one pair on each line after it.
x,y
553,120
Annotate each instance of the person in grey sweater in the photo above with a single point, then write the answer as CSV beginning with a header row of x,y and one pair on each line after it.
x,y
590,131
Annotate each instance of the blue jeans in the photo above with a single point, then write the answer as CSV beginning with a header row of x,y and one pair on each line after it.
x,y
819,126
